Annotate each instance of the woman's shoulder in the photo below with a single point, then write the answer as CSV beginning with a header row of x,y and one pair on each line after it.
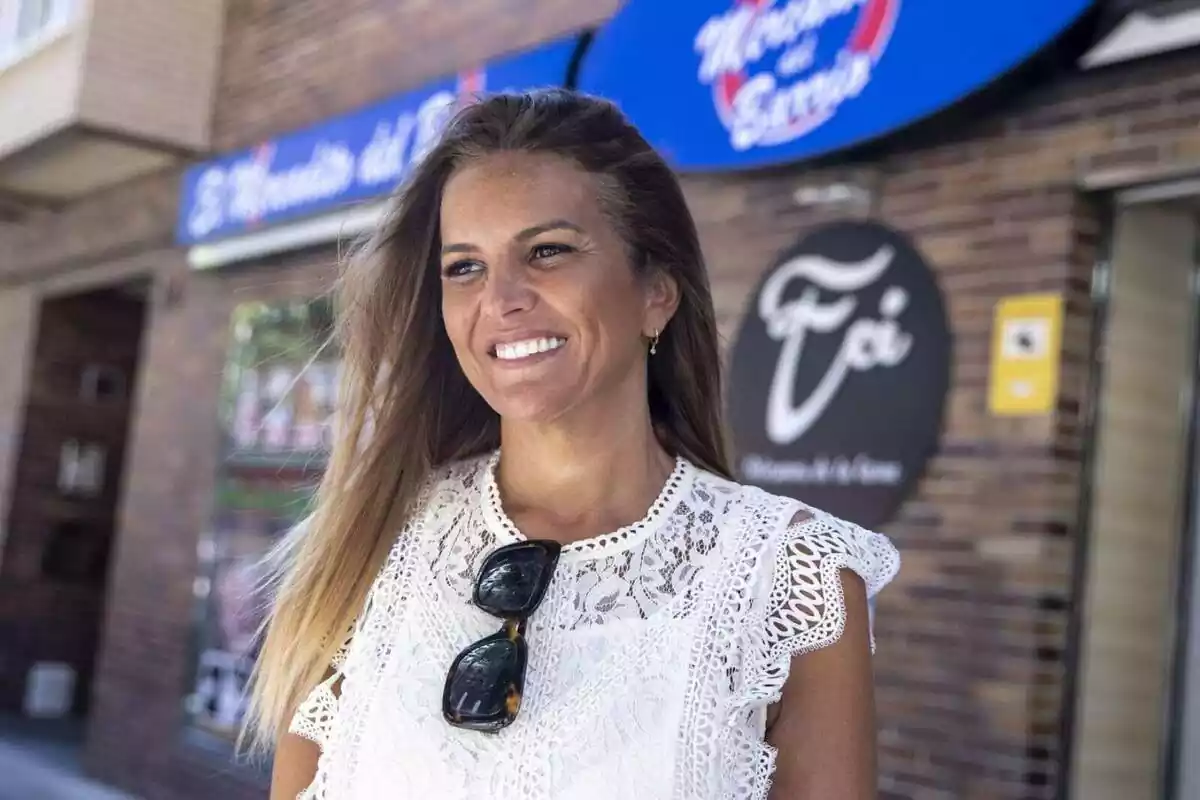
x,y
785,524
744,494
743,497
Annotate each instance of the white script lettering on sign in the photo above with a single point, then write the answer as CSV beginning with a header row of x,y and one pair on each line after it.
x,y
866,343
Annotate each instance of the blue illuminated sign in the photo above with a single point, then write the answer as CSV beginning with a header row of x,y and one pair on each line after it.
x,y
358,156
740,84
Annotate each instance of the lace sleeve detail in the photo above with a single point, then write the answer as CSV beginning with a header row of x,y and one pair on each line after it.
x,y
805,609
314,717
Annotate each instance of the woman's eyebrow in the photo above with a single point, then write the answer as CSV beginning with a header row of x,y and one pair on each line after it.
x,y
552,225
525,235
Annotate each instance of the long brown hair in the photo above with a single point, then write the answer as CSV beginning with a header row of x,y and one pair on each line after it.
x,y
406,407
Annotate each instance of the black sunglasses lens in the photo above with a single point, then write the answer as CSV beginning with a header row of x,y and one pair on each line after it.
x,y
513,579
483,689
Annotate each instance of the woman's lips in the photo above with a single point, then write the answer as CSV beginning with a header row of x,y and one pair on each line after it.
x,y
524,349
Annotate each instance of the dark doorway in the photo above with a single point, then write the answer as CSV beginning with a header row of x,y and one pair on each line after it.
x,y
54,563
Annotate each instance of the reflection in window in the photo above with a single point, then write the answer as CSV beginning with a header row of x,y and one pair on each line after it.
x,y
23,23
81,468
276,410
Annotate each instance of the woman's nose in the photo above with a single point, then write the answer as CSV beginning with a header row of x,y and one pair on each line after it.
x,y
508,290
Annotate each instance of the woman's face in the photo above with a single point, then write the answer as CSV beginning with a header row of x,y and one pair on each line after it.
x,y
539,298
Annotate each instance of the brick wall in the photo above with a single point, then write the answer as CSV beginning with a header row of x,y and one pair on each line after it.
x,y
972,635
975,637
150,69
109,227
292,64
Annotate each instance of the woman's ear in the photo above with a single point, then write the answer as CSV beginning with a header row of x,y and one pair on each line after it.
x,y
662,300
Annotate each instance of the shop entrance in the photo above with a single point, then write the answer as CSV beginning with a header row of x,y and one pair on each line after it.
x,y
62,512
1138,518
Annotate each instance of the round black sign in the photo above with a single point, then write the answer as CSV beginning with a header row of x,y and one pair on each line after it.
x,y
840,373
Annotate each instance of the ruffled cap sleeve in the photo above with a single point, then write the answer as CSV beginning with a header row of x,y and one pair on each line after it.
x,y
314,718
800,594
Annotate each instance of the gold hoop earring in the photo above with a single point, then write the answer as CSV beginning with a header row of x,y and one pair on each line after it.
x,y
654,342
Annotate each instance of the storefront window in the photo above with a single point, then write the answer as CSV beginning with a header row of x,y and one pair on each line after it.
x,y
276,419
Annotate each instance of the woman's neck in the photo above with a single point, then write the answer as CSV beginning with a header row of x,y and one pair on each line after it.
x,y
574,484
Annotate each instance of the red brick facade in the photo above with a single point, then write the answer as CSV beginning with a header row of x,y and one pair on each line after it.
x,y
973,635
52,577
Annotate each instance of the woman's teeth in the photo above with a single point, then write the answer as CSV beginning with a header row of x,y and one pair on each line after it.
x,y
517,350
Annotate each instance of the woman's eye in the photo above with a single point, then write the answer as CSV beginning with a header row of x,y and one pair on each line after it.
x,y
541,251
460,269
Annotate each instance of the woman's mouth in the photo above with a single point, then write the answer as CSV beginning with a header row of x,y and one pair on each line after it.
x,y
527,348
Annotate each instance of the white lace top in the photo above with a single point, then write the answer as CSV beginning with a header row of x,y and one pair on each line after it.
x,y
652,658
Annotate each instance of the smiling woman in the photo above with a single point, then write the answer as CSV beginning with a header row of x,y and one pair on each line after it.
x,y
532,439
548,315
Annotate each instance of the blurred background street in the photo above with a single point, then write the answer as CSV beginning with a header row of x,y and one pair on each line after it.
x,y
40,761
